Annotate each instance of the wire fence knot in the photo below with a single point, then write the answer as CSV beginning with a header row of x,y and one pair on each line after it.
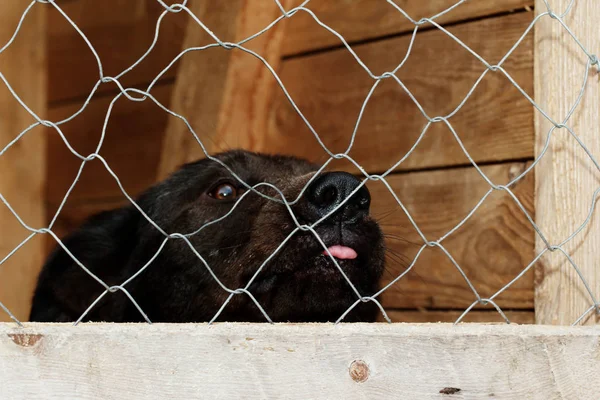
x,y
137,95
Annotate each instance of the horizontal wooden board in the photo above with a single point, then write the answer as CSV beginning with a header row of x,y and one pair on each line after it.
x,y
131,148
121,31
359,20
475,316
348,361
492,247
496,123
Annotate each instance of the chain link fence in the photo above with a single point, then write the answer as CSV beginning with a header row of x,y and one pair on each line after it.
x,y
137,95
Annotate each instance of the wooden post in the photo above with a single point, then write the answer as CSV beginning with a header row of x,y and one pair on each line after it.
x,y
566,178
224,94
23,166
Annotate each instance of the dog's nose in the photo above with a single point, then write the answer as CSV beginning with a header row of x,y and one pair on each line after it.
x,y
329,190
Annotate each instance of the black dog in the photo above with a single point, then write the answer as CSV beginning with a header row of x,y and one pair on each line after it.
x,y
299,284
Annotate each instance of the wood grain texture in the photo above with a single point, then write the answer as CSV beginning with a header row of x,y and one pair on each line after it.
x,y
566,178
299,361
496,123
492,247
476,316
224,94
131,148
493,125
121,31
359,20
22,167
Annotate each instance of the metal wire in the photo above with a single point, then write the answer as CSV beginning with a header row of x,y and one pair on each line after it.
x,y
141,95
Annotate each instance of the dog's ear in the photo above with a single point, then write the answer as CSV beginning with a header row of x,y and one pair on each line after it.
x,y
103,245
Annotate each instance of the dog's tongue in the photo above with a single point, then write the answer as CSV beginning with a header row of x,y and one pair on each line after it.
x,y
342,252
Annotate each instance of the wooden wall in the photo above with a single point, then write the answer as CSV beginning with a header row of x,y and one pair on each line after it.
x,y
437,184
22,165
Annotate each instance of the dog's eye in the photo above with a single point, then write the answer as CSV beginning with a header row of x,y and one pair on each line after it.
x,y
224,191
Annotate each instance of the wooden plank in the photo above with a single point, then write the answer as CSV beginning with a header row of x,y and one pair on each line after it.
x,y
492,248
566,177
360,20
23,165
131,147
348,361
225,95
482,125
495,123
121,32
73,70
475,316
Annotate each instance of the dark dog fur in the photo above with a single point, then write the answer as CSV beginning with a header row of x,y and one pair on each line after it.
x,y
299,284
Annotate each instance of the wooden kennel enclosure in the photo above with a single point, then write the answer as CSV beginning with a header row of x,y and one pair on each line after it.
x,y
233,101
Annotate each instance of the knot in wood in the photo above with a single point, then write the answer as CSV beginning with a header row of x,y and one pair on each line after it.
x,y
359,371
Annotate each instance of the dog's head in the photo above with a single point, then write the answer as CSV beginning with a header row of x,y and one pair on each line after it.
x,y
241,233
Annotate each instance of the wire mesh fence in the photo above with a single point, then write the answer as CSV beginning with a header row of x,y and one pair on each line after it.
x,y
138,95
